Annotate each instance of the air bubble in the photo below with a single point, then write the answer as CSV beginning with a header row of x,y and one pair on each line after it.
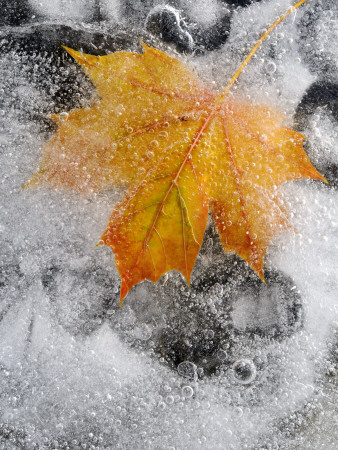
x,y
209,334
244,371
239,411
142,332
270,68
154,144
163,134
222,355
63,117
169,400
200,372
187,369
187,391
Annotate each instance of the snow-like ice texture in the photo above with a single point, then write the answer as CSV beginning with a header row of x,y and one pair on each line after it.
x,y
202,14
230,364
76,10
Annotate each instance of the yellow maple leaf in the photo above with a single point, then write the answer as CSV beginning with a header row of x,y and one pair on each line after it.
x,y
183,149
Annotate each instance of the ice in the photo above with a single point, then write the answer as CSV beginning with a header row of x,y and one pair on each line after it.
x,y
202,13
61,9
230,363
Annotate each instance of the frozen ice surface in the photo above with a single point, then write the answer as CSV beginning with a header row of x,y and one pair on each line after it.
x,y
230,364
76,10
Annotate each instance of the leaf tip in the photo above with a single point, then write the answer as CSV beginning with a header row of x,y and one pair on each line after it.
x,y
260,273
187,277
34,181
123,291
258,268
325,180
78,56
144,45
68,49
319,177
26,186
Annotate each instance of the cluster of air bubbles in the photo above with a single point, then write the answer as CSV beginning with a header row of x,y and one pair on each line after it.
x,y
216,290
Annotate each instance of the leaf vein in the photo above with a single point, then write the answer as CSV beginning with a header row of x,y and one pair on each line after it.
x,y
237,177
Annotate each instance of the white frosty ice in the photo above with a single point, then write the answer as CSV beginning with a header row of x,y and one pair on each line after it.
x,y
71,376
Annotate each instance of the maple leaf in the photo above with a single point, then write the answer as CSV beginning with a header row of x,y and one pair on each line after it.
x,y
183,150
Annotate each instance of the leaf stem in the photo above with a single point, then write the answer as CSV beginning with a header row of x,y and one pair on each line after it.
x,y
256,47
